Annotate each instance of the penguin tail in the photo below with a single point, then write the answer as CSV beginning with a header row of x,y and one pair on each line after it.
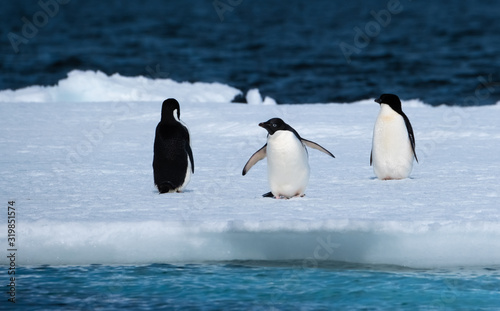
x,y
166,187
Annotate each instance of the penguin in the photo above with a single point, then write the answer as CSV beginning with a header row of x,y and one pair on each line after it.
x,y
393,144
287,159
173,159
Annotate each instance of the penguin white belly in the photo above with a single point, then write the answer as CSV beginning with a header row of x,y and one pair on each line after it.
x,y
287,165
392,155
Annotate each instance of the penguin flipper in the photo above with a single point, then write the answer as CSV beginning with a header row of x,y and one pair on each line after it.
x,y
256,157
371,157
268,195
411,136
316,146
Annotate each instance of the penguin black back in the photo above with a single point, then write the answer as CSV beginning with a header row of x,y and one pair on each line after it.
x,y
172,150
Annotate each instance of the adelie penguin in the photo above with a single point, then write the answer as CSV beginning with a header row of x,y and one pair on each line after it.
x,y
287,159
173,159
393,145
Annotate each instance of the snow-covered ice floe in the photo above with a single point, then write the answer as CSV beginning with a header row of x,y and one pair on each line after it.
x,y
95,86
76,158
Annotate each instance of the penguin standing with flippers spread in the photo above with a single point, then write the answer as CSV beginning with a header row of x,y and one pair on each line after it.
x,y
173,159
393,145
287,159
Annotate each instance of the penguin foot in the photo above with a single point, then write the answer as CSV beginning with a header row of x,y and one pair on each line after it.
x,y
392,178
282,197
271,195
278,197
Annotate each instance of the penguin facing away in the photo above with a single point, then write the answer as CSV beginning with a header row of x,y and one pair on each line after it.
x,y
287,159
393,144
173,159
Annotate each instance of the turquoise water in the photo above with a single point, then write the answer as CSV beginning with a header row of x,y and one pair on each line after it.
x,y
242,285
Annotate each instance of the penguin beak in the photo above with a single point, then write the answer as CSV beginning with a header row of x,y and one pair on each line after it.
x,y
266,126
378,100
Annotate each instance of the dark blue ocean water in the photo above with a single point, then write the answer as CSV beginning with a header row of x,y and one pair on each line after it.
x,y
254,286
295,51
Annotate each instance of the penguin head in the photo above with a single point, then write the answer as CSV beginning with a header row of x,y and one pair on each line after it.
x,y
391,100
168,108
273,125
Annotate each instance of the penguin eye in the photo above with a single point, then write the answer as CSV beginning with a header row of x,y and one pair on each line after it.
x,y
275,125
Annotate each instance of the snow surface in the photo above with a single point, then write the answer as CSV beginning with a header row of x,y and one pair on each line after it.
x,y
77,157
